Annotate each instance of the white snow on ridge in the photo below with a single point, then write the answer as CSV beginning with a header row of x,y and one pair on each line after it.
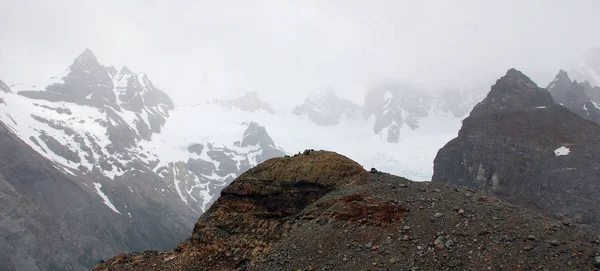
x,y
562,151
105,198
411,157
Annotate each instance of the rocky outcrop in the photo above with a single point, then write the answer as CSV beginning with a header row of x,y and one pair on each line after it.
x,y
574,96
521,146
320,210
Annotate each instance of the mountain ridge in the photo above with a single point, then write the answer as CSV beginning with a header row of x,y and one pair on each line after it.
x,y
534,152
321,210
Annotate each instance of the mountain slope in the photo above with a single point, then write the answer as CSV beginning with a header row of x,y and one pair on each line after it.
x,y
53,221
521,146
321,210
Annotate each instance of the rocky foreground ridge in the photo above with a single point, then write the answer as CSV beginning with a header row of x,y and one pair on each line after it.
x,y
322,211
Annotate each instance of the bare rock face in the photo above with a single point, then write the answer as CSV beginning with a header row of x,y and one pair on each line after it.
x,y
521,146
320,210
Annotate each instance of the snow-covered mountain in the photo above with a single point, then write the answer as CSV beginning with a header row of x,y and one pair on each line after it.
x,y
105,130
397,129
141,158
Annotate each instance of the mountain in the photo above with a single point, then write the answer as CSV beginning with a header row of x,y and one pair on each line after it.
x,y
138,157
325,108
519,145
588,68
113,164
250,102
399,109
576,96
323,211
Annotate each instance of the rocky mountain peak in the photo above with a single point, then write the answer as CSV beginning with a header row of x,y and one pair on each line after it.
x,y
562,76
513,92
517,80
86,82
125,70
87,57
256,135
521,146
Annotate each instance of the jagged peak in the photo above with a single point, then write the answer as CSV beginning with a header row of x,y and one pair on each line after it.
x,y
516,77
513,91
86,57
562,75
125,70
562,78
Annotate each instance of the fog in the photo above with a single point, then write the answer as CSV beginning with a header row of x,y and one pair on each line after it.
x,y
199,50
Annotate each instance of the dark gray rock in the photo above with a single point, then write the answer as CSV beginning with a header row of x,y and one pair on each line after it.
x,y
56,147
199,166
507,147
196,148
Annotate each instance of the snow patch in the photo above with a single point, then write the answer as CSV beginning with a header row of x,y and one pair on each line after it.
x,y
105,198
562,151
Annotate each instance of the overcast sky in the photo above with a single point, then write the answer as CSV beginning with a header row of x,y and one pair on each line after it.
x,y
196,50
